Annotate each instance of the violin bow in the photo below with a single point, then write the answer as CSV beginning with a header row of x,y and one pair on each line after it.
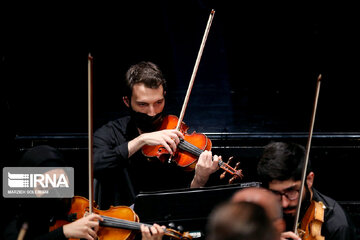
x,y
193,75
308,146
90,131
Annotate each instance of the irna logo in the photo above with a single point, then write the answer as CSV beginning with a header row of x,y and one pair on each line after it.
x,y
32,182
37,180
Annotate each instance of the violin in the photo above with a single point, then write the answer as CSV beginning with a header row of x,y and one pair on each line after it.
x,y
310,226
189,148
120,222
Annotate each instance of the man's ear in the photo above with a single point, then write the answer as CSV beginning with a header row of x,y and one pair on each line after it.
x,y
126,101
310,179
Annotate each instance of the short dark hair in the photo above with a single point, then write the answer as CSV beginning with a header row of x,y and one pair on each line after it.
x,y
282,161
144,72
240,220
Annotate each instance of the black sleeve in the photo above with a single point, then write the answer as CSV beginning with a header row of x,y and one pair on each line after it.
x,y
12,232
110,149
57,234
344,233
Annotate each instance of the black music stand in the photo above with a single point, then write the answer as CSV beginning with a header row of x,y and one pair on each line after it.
x,y
188,208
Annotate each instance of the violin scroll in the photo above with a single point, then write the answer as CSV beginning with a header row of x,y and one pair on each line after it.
x,y
236,172
177,234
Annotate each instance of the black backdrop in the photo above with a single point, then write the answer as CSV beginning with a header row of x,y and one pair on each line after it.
x,y
257,74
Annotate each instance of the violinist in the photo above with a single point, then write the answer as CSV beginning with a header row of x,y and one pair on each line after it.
x,y
280,169
120,168
38,213
41,213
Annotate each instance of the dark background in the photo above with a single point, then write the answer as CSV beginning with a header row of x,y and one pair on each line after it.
x,y
256,80
257,74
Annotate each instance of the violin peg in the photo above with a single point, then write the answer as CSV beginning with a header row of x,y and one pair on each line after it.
x,y
171,225
222,176
230,160
180,228
231,180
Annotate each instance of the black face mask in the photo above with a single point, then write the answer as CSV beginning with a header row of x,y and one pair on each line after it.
x,y
145,122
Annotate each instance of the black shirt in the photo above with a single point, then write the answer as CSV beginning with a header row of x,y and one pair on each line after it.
x,y
337,224
35,231
121,178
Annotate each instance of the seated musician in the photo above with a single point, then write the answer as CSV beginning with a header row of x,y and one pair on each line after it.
x,y
40,213
280,170
120,168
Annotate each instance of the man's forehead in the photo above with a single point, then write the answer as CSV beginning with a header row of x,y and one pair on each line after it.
x,y
281,185
142,93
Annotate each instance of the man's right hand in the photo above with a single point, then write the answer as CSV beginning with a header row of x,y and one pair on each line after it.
x,y
289,235
168,138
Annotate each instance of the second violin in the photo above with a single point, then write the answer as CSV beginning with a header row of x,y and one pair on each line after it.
x,y
120,222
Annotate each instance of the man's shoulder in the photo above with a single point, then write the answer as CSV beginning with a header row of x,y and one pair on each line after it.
x,y
112,126
326,200
334,212
118,123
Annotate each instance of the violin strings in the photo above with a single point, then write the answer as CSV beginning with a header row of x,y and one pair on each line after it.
x,y
184,145
120,223
126,224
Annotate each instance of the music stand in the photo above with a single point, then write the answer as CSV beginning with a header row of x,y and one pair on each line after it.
x,y
188,207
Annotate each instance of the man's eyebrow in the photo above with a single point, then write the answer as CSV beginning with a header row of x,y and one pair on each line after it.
x,y
286,189
291,187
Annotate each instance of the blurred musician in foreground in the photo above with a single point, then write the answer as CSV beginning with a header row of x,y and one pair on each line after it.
x,y
240,221
270,203
280,169
120,168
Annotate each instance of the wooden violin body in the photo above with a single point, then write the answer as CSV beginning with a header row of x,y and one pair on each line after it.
x,y
80,207
188,150
310,227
